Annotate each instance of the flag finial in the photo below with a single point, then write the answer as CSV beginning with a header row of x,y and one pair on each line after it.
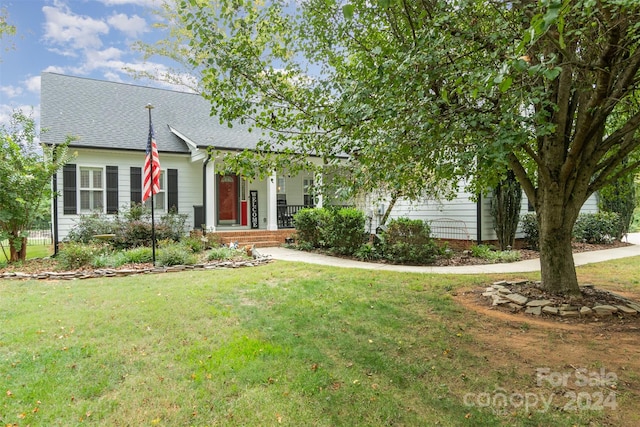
x,y
148,106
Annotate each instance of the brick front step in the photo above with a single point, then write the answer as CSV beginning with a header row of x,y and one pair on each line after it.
x,y
259,238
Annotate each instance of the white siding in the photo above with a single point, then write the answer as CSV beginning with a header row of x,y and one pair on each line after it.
x,y
591,205
462,209
189,180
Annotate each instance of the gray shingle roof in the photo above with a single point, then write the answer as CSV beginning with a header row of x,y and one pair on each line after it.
x,y
113,115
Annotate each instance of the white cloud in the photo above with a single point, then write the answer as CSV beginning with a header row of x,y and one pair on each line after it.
x,y
131,26
11,91
54,69
138,2
68,30
113,77
33,84
101,56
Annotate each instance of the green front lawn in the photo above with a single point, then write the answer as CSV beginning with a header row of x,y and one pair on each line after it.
x,y
33,251
282,344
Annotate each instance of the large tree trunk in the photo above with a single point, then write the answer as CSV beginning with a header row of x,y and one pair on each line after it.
x,y
16,255
555,223
557,268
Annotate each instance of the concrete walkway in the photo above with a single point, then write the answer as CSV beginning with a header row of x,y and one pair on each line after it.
x,y
581,258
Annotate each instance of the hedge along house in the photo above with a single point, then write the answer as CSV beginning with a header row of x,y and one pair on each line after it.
x,y
111,125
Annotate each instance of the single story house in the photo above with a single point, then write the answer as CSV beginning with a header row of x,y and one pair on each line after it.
x,y
110,123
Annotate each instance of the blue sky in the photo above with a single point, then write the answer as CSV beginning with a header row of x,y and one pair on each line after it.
x,y
87,38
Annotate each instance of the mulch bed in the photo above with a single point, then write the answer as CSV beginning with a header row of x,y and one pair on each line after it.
x,y
462,257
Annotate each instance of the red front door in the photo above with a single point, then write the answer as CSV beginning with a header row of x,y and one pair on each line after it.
x,y
227,199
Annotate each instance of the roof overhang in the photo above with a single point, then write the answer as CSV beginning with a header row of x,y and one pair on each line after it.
x,y
197,154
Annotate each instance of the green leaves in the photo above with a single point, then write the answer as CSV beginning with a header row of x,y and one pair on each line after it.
x,y
25,176
553,15
347,11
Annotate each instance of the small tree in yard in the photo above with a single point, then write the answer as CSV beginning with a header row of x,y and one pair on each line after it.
x,y
505,207
620,197
25,176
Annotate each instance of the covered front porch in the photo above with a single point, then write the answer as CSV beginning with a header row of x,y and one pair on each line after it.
x,y
233,203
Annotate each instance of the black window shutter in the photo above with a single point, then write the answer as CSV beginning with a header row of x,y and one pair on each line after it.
x,y
112,189
69,193
136,185
172,189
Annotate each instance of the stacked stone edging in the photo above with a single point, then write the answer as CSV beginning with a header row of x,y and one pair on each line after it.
x,y
112,272
501,295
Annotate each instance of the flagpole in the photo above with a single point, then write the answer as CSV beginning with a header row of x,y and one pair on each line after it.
x,y
153,222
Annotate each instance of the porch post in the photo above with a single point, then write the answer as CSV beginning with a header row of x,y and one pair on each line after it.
x,y
211,207
272,195
318,179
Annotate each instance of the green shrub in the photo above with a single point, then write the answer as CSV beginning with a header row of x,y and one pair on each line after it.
x,y
344,231
101,261
88,226
488,253
367,252
481,251
175,255
508,256
530,229
619,197
132,228
136,212
444,251
601,227
310,223
222,253
209,240
73,255
304,246
133,234
138,255
174,225
340,230
112,260
409,241
196,245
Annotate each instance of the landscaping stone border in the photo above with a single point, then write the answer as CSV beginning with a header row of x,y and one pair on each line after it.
x,y
501,295
112,272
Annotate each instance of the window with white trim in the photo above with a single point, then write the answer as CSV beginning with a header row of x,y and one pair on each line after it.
x,y
91,189
159,199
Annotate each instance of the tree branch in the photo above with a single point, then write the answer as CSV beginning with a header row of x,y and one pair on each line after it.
x,y
523,177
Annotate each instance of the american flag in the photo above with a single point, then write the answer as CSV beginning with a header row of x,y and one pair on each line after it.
x,y
151,167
